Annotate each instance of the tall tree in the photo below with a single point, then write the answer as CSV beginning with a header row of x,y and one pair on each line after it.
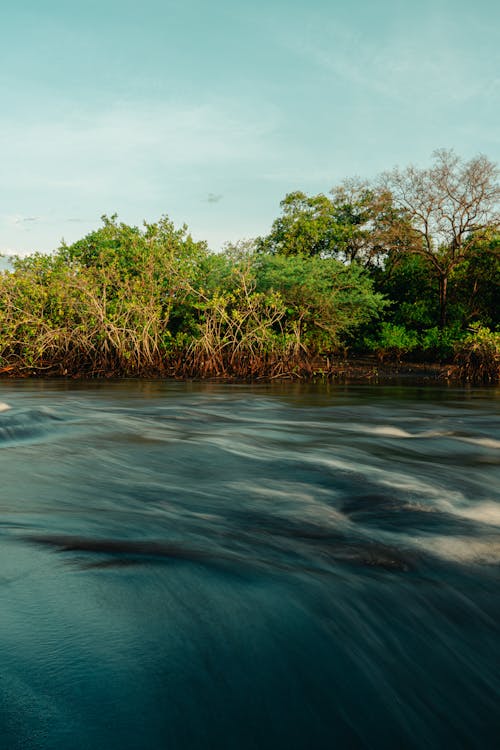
x,y
452,205
305,227
349,225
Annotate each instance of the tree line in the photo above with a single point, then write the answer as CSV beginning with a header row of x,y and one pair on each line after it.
x,y
405,266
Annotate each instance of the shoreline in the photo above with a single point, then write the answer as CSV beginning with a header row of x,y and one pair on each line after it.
x,y
362,370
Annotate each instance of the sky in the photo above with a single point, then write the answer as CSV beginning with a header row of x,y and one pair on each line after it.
x,y
211,112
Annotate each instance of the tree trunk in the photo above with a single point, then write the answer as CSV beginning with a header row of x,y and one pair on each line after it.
x,y
443,289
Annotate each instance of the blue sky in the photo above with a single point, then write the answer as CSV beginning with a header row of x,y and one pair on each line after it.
x,y
211,112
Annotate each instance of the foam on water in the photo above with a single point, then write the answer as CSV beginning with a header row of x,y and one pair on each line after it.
x,y
464,550
482,442
484,512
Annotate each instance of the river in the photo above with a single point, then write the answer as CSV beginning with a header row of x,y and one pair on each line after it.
x,y
191,566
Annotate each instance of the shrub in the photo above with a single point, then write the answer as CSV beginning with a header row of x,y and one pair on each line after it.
x,y
441,342
478,355
393,342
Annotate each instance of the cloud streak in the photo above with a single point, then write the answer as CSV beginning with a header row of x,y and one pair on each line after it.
x,y
428,59
214,198
17,219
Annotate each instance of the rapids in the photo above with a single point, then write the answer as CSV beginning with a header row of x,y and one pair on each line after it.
x,y
191,566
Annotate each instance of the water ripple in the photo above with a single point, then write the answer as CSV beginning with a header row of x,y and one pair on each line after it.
x,y
196,566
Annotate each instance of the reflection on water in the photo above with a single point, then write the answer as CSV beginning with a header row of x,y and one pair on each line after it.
x,y
187,566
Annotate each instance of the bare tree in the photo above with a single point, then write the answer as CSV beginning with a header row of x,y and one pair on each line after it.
x,y
450,206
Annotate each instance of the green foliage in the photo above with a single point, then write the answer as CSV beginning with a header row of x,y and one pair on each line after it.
x,y
101,305
130,301
307,226
406,281
275,312
451,209
349,226
475,283
236,327
393,341
402,266
325,300
440,343
478,355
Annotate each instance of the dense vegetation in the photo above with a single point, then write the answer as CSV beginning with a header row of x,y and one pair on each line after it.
x,y
406,267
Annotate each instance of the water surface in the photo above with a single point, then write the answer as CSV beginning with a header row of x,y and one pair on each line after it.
x,y
215,566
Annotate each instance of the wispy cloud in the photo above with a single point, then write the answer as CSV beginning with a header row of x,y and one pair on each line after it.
x,y
23,219
423,61
20,222
214,198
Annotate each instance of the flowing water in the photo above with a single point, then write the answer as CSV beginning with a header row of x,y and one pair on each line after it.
x,y
216,566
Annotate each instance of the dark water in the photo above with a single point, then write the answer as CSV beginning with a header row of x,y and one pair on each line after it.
x,y
235,567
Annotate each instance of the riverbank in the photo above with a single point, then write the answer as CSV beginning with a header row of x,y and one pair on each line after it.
x,y
126,302
356,369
